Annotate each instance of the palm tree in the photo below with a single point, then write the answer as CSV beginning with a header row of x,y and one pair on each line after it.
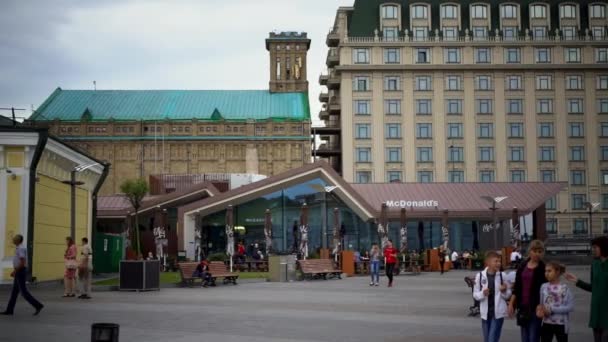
x,y
135,190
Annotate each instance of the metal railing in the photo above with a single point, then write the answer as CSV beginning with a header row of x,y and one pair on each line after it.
x,y
469,38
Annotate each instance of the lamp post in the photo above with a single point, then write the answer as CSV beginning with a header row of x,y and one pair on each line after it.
x,y
494,201
590,207
73,183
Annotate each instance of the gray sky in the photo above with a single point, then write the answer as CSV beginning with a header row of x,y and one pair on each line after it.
x,y
150,44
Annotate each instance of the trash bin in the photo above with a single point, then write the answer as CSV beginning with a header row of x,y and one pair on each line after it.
x,y
282,268
104,332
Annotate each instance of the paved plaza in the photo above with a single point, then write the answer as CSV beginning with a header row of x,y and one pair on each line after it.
x,y
429,307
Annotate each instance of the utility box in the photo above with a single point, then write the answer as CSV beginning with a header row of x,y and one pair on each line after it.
x,y
282,268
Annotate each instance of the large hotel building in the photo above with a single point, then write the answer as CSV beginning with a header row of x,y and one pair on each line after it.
x,y
473,91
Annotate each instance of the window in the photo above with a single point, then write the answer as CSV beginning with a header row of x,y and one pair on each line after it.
x,y
390,33
392,107
453,107
604,153
422,55
604,180
601,55
393,154
419,12
516,130
508,11
598,32
513,55
424,83
479,11
544,106
602,106
509,32
390,12
597,11
515,106
486,154
361,56
392,56
361,83
449,12
574,82
544,82
364,176
602,82
575,106
456,176
603,129
454,130
578,201
551,203
364,154
577,177
545,130
450,32
580,226
421,33
480,32
551,226
392,83
514,82
484,106
425,176
483,82
518,176
539,32
486,176
572,55
393,131
452,55
424,154
362,107
485,130
547,176
483,55
567,11
423,107
577,153
569,32
393,176
543,55
456,154
604,201
453,82
516,153
363,131
547,153
576,130
538,11
424,131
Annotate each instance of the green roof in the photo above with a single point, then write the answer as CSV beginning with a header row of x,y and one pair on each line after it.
x,y
147,105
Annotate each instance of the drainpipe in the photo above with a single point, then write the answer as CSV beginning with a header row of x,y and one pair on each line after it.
x,y
43,136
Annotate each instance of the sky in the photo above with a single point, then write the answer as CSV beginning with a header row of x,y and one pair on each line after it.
x,y
150,44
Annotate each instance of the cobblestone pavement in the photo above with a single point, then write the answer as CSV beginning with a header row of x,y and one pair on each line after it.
x,y
429,307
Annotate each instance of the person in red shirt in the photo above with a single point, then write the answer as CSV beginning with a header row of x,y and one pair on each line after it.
x,y
390,258
241,252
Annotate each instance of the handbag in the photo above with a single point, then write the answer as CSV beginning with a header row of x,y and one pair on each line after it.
x,y
71,264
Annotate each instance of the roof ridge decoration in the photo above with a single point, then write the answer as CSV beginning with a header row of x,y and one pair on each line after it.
x,y
86,115
216,115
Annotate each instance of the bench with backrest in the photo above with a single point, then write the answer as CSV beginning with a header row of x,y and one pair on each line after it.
x,y
218,270
186,270
319,268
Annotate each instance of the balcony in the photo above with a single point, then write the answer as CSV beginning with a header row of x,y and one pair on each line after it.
x,y
323,97
334,106
324,115
326,150
333,81
495,37
333,38
333,58
331,128
323,79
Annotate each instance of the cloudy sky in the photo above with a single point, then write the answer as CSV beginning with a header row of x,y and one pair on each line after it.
x,y
150,44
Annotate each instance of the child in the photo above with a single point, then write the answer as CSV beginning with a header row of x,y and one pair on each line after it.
x,y
202,271
374,262
556,303
492,294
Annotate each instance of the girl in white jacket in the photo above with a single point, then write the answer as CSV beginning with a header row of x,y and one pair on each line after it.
x,y
492,292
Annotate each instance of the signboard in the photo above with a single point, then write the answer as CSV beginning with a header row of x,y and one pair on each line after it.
x,y
413,204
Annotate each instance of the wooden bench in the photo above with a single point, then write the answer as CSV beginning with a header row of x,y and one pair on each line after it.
x,y
319,268
218,270
186,270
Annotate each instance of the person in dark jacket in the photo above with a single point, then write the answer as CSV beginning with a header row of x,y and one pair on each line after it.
x,y
529,278
598,286
202,271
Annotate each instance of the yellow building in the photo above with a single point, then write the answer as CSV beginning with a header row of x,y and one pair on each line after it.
x,y
35,200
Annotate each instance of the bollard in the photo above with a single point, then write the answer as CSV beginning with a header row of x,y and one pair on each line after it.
x,y
104,332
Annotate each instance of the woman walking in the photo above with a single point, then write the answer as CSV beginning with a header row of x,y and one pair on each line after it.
x,y
374,262
529,278
390,257
69,276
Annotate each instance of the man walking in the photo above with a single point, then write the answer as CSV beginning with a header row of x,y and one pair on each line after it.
x,y
85,269
19,274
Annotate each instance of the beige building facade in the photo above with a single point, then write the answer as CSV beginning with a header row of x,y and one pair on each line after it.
x,y
473,92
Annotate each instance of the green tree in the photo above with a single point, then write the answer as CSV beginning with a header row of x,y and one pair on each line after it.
x,y
135,190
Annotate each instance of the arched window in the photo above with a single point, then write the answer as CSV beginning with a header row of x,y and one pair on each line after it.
x,y
390,12
419,12
597,11
567,11
509,11
449,12
538,11
479,11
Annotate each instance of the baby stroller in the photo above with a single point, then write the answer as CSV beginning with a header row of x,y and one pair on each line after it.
x,y
473,309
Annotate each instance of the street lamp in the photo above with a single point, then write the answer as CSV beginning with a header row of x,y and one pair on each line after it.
x,y
73,183
494,201
591,206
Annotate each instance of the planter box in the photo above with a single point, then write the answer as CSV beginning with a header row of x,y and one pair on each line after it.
x,y
139,275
